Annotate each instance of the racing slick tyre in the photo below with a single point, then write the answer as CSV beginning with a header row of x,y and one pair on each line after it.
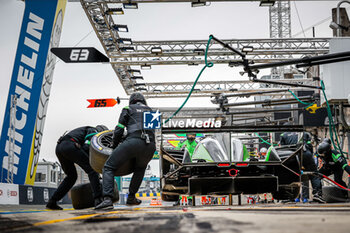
x,y
333,194
82,196
166,197
287,192
100,150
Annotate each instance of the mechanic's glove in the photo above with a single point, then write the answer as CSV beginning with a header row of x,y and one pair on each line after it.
x,y
113,145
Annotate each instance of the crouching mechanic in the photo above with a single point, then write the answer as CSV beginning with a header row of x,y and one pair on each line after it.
x,y
333,163
72,148
139,145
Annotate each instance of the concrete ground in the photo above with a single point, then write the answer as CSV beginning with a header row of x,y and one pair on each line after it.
x,y
260,218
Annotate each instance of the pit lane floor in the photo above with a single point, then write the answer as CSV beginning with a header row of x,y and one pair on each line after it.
x,y
246,218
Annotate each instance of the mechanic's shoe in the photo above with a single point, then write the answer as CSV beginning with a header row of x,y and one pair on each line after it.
x,y
107,204
97,201
52,205
305,200
133,201
297,200
318,198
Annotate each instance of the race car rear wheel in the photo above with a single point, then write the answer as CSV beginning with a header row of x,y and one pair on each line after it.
x,y
166,197
100,150
287,192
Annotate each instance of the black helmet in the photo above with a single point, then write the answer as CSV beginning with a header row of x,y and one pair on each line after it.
x,y
323,148
101,128
328,141
137,97
307,137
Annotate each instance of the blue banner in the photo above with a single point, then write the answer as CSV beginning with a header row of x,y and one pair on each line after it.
x,y
31,83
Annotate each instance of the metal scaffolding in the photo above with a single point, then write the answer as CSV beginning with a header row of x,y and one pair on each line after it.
x,y
125,53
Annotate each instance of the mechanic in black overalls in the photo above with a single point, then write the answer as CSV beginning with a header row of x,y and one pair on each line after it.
x,y
309,164
72,148
288,138
333,163
139,146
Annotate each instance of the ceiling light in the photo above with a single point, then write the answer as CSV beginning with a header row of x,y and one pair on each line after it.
x,y
136,77
156,50
139,84
234,63
120,28
334,25
146,67
247,49
124,40
192,64
127,49
199,51
130,5
132,71
198,4
115,11
267,3
141,89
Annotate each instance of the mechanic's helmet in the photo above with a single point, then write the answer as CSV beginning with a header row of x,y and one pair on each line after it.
x,y
307,137
101,128
328,141
137,97
323,148
191,137
263,150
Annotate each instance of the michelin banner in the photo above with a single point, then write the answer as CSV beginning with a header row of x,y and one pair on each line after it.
x,y
31,82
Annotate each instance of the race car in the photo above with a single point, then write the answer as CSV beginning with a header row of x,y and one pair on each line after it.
x,y
221,165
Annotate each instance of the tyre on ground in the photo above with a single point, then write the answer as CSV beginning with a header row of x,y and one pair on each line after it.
x,y
333,194
82,196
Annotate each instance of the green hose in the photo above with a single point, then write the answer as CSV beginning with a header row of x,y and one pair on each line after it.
x,y
210,64
331,122
264,141
296,97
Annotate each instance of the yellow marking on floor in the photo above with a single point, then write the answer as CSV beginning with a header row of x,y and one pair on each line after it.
x,y
64,219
